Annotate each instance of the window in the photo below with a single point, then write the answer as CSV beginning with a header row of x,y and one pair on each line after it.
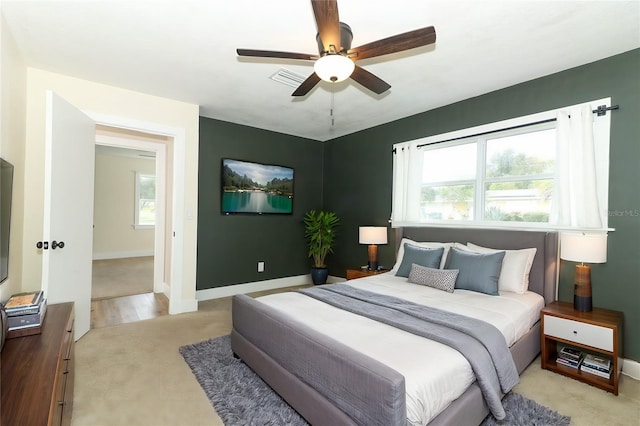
x,y
145,201
520,176
501,174
448,182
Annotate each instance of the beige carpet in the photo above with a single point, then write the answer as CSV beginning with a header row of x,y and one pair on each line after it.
x,y
133,375
121,277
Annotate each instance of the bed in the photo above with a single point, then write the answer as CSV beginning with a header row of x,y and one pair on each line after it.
x,y
332,381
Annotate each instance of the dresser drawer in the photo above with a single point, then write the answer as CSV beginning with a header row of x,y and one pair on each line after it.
x,y
579,332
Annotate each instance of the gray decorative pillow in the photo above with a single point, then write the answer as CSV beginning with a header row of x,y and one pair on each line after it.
x,y
442,279
429,257
478,272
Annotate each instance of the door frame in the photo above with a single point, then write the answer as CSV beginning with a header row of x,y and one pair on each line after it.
x,y
176,303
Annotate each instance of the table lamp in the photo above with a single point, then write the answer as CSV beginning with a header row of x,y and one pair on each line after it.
x,y
581,247
373,235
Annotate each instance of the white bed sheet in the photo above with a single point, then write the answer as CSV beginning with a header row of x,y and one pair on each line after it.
x,y
435,374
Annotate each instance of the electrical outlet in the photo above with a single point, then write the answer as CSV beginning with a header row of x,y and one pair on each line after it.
x,y
260,266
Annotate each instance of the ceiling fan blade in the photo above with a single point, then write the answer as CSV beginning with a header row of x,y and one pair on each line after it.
x,y
393,44
307,85
369,80
275,54
328,22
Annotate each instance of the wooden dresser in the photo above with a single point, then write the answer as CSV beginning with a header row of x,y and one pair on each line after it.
x,y
38,373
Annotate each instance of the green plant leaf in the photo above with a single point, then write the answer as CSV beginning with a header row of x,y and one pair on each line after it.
x,y
320,234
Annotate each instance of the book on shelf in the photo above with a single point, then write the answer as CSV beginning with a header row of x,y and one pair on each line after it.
x,y
568,363
594,371
568,352
571,357
24,303
597,363
30,310
28,320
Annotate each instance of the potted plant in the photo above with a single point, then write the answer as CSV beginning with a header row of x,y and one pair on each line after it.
x,y
320,234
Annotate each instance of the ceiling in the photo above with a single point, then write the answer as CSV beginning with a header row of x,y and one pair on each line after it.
x,y
185,50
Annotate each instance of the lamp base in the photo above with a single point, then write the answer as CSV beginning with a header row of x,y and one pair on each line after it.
x,y
373,257
582,304
582,289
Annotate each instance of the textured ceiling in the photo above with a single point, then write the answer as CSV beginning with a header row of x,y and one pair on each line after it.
x,y
185,50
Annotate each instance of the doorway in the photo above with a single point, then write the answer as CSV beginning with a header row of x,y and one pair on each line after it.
x,y
129,248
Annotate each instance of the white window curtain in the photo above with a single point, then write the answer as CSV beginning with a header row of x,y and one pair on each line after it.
x,y
407,179
575,202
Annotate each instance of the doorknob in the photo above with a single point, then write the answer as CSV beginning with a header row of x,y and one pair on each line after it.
x,y
42,245
55,244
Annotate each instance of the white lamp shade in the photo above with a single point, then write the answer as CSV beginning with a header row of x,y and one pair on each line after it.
x,y
373,235
334,68
581,247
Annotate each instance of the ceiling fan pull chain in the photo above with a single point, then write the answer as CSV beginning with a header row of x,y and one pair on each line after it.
x,y
331,110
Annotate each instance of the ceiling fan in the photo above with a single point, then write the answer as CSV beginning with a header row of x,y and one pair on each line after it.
x,y
336,59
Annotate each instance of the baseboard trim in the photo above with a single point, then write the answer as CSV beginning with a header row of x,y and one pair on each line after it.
x,y
631,368
122,255
182,306
189,305
230,290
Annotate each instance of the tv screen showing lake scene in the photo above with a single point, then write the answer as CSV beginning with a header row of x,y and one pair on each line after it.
x,y
256,188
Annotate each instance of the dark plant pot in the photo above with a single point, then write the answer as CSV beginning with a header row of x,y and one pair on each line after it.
x,y
319,275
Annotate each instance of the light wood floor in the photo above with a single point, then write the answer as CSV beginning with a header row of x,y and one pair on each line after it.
x,y
121,292
125,309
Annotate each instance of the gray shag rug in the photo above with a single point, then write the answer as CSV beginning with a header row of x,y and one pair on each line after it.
x,y
240,397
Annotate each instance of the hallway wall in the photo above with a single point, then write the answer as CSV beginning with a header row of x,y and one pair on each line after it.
x,y
114,235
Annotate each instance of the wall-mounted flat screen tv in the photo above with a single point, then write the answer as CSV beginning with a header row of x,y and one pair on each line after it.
x,y
256,188
6,186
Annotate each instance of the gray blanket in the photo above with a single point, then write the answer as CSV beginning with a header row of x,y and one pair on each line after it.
x,y
479,342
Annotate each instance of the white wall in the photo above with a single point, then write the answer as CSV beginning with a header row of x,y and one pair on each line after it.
x,y
115,102
114,235
13,87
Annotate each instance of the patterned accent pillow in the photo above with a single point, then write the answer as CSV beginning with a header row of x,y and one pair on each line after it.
x,y
442,279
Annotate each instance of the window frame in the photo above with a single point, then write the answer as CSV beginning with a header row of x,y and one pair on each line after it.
x,y
136,205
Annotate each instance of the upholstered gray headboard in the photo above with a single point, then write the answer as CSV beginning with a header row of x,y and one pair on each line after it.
x,y
543,277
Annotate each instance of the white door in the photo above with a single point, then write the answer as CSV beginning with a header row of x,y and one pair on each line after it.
x,y
68,208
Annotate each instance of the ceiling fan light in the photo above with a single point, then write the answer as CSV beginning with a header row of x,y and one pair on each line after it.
x,y
334,68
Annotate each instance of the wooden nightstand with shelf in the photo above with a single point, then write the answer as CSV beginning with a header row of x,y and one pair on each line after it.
x,y
352,274
598,332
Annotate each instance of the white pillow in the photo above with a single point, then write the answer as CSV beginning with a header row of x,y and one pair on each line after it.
x,y
421,244
516,265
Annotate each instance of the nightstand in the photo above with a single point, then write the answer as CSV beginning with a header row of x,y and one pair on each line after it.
x,y
352,274
598,332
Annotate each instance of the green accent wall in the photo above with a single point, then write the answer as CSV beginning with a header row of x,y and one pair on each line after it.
x,y
230,246
358,169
